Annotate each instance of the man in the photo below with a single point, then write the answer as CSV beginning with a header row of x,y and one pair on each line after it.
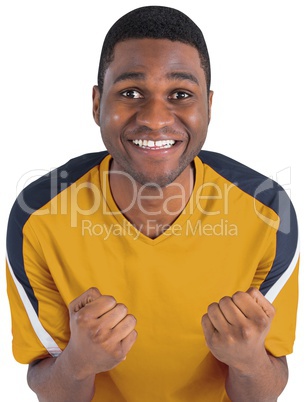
x,y
192,244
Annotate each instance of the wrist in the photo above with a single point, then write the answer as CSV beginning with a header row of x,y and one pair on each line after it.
x,y
71,362
258,363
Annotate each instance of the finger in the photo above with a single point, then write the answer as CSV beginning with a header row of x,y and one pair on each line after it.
x,y
231,311
124,327
245,303
129,341
250,306
100,306
207,327
260,299
111,318
85,298
96,305
217,318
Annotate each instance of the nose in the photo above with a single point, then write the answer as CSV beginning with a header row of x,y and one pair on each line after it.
x,y
155,114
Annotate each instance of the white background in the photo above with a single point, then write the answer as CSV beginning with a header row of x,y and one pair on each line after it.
x,y
49,60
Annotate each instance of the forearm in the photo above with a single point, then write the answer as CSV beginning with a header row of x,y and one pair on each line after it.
x,y
263,382
53,379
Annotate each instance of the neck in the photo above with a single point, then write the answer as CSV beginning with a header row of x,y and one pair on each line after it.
x,y
152,209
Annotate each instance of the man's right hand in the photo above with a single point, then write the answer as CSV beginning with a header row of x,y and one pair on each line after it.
x,y
102,333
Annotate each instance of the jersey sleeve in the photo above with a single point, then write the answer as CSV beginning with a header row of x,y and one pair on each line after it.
x,y
280,283
280,340
40,323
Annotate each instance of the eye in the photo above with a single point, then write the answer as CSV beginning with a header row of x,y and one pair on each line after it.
x,y
132,94
179,95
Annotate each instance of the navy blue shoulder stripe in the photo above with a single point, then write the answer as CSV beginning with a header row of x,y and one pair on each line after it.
x,y
270,194
34,197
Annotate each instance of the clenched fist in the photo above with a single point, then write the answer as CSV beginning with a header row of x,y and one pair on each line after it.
x,y
235,328
102,333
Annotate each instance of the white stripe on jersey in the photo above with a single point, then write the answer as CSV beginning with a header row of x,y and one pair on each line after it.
x,y
44,337
280,283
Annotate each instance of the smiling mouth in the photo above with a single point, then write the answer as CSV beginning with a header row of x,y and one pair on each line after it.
x,y
149,144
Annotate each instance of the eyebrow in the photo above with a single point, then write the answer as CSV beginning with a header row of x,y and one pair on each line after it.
x,y
130,76
177,75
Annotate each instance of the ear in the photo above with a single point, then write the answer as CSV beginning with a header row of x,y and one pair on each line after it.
x,y
210,98
96,104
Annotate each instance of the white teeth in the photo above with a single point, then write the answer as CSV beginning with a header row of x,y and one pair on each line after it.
x,y
154,144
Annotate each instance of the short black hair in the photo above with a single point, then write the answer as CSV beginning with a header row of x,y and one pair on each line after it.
x,y
156,22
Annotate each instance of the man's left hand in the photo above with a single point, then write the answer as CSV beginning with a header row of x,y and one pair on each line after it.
x,y
235,328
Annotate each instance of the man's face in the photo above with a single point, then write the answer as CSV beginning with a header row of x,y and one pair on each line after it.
x,y
154,110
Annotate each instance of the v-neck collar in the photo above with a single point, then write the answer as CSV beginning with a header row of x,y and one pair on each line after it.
x,y
188,212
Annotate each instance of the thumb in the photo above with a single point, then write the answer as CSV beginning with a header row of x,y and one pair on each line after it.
x,y
87,297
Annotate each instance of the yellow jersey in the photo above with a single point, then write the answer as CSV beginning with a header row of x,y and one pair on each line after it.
x,y
66,234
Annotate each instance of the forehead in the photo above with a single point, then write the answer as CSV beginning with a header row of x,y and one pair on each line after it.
x,y
156,57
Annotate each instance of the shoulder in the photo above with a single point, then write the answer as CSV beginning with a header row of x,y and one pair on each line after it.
x,y
41,191
271,196
250,181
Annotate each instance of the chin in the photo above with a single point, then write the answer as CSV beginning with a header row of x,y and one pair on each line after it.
x,y
153,181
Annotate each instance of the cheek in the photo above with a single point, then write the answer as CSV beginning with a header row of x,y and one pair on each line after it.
x,y
197,122
197,113
108,114
111,127
114,117
109,117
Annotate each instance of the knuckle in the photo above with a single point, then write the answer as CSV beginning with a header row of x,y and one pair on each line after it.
x,y
225,300
212,307
112,348
82,319
237,295
122,308
246,332
254,292
93,290
228,339
131,320
273,311
118,353
262,321
90,295
109,300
